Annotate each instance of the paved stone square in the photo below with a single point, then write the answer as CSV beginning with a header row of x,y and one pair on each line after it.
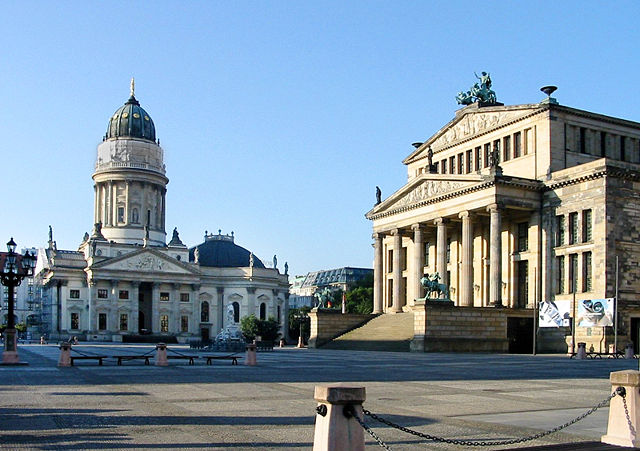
x,y
271,406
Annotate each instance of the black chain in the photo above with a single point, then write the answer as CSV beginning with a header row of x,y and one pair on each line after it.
x,y
626,412
492,443
371,433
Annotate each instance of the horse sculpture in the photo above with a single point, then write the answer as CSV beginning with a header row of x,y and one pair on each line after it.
x,y
432,286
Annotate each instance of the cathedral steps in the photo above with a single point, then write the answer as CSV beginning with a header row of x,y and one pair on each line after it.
x,y
383,333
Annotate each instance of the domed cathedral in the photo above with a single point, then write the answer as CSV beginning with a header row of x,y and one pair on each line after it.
x,y
125,282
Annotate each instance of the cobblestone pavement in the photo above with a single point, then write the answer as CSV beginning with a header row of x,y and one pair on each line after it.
x,y
271,406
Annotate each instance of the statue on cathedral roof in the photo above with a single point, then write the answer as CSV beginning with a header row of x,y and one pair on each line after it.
x,y
481,93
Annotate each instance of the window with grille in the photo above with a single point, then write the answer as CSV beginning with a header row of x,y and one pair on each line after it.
x,y
103,293
573,228
75,321
560,230
587,226
164,323
517,145
124,321
102,321
560,274
184,323
523,236
506,148
587,272
573,273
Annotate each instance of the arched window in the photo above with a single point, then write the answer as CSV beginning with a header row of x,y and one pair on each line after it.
x,y
263,311
134,216
236,312
204,312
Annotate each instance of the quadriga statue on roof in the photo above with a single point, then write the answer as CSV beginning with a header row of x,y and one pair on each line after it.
x,y
479,92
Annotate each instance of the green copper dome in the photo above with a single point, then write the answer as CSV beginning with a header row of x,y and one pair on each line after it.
x,y
131,121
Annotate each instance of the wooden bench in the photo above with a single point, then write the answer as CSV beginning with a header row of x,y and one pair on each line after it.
x,y
99,358
132,357
191,358
210,358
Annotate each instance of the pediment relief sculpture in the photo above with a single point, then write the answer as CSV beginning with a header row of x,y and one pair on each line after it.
x,y
145,263
429,189
472,124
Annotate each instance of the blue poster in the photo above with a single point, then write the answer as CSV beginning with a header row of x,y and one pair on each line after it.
x,y
595,312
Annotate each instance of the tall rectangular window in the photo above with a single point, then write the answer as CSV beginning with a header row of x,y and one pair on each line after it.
x,y
452,165
523,236
436,167
390,260
478,158
487,155
102,321
523,283
460,163
560,274
559,230
120,214
469,161
164,323
517,144
75,321
587,226
427,246
496,149
623,149
403,259
443,166
573,273
449,250
587,272
573,228
525,141
124,321
506,148
184,323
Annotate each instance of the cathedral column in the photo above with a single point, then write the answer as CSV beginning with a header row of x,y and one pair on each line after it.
x,y
127,215
163,212
134,308
174,322
418,260
114,204
92,314
466,285
155,314
378,281
397,270
495,256
96,203
221,309
441,249
103,205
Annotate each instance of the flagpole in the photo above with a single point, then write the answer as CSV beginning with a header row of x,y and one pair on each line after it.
x,y
615,313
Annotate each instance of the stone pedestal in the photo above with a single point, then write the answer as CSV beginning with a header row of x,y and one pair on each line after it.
x,y
621,431
251,357
582,351
65,354
334,430
10,353
161,355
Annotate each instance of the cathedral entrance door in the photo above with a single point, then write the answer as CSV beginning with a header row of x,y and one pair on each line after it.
x,y
144,308
205,333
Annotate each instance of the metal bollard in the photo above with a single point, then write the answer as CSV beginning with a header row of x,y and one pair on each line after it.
x,y
582,351
65,354
336,430
300,342
282,342
628,351
250,359
621,429
161,355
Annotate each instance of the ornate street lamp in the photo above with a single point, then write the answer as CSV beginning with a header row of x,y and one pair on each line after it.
x,y
13,268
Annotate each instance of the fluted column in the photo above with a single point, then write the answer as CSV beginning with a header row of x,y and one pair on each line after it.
x,y
174,321
418,259
134,299
397,270
495,256
378,276
155,313
441,249
466,284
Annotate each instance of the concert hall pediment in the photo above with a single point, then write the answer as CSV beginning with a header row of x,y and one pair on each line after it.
x,y
469,124
422,190
143,261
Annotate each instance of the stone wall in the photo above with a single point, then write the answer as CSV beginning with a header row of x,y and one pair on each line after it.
x,y
327,324
444,328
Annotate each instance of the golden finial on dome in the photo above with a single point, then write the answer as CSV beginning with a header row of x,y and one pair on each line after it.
x,y
133,87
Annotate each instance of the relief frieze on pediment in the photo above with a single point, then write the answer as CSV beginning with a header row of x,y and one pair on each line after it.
x,y
144,263
429,189
473,124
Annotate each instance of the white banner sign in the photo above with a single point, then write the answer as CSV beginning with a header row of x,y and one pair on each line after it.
x,y
554,314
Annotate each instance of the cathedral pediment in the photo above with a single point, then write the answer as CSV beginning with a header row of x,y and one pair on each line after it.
x,y
427,187
147,261
470,122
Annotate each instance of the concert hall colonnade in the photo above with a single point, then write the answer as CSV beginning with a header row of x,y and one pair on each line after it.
x,y
513,205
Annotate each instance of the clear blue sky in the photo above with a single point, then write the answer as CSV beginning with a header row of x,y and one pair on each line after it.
x,y
278,118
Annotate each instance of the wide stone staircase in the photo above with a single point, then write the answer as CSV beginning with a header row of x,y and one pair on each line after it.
x,y
383,333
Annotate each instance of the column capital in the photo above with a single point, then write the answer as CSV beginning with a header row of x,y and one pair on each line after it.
x,y
220,291
495,206
465,214
418,227
396,232
377,235
441,221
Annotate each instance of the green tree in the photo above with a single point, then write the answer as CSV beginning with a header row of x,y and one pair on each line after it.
x,y
249,326
360,300
299,321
